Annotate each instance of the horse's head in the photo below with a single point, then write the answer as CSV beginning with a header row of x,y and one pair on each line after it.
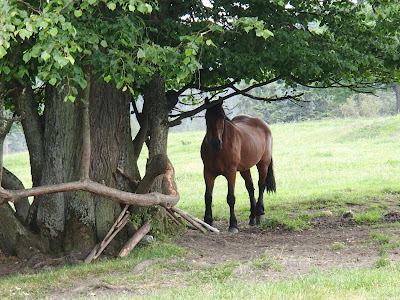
x,y
215,117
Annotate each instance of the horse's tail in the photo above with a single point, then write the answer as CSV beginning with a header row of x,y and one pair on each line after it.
x,y
270,180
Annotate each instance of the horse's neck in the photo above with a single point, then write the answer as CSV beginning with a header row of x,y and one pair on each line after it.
x,y
229,129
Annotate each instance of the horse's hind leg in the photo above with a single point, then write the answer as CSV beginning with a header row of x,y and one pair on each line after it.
x,y
262,172
250,189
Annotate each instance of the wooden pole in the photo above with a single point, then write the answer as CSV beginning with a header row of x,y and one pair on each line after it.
x,y
135,239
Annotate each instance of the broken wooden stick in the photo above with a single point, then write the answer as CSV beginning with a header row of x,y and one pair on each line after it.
x,y
189,219
105,243
207,226
171,215
135,239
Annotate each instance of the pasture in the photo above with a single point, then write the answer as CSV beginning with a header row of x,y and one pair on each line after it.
x,y
331,230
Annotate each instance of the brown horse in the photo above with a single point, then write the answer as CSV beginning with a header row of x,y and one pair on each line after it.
x,y
237,145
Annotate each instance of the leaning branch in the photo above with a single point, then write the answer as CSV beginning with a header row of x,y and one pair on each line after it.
x,y
95,188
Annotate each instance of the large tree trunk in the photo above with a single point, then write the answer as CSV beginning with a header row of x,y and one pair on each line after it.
x,y
77,220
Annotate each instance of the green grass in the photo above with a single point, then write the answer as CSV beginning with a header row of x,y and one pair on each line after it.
x,y
324,164
319,166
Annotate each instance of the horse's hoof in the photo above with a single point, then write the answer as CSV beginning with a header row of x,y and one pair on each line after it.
x,y
260,219
252,222
209,221
233,230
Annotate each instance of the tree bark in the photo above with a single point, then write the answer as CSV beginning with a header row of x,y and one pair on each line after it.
x,y
15,238
396,88
11,182
155,97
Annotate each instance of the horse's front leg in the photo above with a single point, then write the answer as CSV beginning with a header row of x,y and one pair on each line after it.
x,y
233,227
209,180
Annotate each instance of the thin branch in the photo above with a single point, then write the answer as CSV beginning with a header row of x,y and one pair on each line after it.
x,y
65,6
30,7
275,98
86,133
236,92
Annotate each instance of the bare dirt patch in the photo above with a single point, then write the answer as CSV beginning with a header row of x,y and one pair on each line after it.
x,y
332,242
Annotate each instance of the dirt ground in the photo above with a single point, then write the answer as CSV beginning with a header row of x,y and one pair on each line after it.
x,y
332,242
292,253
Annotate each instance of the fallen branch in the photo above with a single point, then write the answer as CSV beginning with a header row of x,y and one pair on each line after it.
x,y
171,215
181,212
119,228
189,219
135,239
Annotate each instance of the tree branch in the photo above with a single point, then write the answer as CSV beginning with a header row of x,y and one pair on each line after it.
x,y
95,188
65,6
86,133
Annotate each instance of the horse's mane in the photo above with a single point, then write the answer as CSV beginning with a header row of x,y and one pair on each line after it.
x,y
216,109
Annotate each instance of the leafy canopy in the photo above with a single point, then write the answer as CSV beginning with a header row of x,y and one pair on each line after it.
x,y
58,42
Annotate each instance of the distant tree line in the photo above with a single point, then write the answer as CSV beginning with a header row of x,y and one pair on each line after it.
x,y
317,104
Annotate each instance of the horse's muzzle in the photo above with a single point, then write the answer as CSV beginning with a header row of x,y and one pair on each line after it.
x,y
216,144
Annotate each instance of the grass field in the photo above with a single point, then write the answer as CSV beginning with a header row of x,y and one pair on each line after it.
x,y
327,163
323,165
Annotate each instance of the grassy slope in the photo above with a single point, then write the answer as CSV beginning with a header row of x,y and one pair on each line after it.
x,y
339,161
317,165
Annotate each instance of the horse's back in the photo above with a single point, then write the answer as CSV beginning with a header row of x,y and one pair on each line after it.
x,y
249,124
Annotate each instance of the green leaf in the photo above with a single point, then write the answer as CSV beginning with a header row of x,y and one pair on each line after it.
x,y
107,78
103,43
186,61
78,13
141,53
71,98
188,52
3,51
53,31
131,7
111,5
144,8
53,81
210,43
6,70
45,56
29,26
248,28
23,33
26,57
91,2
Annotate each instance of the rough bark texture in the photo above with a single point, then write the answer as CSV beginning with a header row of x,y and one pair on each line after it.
x,y
76,220
111,147
396,88
15,238
61,140
11,182
155,97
